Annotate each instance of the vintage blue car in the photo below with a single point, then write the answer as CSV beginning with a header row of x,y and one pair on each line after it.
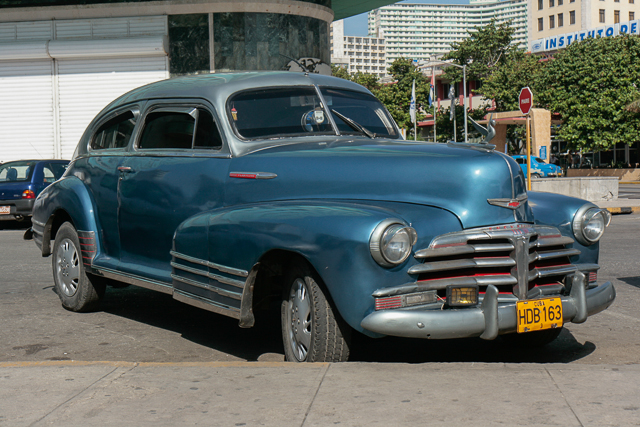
x,y
232,192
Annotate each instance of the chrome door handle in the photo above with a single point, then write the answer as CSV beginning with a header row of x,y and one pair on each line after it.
x,y
125,169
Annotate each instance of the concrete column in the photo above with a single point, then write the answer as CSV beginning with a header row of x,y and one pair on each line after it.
x,y
540,131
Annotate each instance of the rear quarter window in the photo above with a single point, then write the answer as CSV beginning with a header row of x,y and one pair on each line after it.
x,y
115,133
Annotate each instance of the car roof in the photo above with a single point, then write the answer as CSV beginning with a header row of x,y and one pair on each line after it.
x,y
218,86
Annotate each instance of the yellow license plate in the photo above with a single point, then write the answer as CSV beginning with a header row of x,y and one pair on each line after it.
x,y
5,210
539,314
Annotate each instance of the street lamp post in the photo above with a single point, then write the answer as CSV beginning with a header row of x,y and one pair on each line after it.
x,y
427,64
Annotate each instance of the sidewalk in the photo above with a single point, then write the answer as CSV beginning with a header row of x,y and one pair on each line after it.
x,y
322,394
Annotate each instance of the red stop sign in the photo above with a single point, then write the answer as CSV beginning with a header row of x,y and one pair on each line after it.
x,y
525,100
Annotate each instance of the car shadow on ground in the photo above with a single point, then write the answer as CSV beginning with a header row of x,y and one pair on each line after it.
x,y
15,225
222,334
633,281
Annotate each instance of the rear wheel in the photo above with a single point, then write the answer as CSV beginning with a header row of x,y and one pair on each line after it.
x,y
77,291
532,339
311,332
535,175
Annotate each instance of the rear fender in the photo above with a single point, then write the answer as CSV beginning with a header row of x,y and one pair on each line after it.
x,y
65,200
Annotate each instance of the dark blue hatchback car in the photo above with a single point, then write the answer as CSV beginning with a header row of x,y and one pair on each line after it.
x,y
21,182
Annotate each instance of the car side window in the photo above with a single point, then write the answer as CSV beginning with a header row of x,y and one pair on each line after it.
x,y
175,130
48,174
520,161
115,133
207,134
54,171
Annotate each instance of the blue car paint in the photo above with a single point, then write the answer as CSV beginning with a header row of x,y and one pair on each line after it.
x,y
333,236
327,196
541,168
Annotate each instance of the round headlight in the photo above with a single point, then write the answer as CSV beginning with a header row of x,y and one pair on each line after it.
x,y
391,242
589,224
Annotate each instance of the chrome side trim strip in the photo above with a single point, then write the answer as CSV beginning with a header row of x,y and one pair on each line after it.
x,y
41,224
222,292
221,279
205,304
222,268
132,279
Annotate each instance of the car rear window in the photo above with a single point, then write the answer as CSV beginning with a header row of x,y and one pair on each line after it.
x,y
16,171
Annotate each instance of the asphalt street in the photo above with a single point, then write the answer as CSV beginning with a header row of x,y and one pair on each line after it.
x,y
629,191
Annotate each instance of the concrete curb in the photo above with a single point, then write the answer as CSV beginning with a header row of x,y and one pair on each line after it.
x,y
624,210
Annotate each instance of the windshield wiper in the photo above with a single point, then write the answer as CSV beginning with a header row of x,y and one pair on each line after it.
x,y
354,125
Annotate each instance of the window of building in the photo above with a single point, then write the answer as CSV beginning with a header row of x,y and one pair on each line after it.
x,y
551,3
616,1
540,4
552,21
540,24
632,16
560,2
616,16
602,15
560,20
631,1
572,1
572,17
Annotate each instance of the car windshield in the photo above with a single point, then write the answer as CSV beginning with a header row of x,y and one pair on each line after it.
x,y
363,109
16,171
539,160
298,111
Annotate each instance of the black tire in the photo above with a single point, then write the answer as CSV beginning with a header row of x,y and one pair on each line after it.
x,y
535,175
77,291
532,339
311,331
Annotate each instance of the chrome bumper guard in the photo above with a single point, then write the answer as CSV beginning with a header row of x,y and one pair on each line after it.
x,y
488,320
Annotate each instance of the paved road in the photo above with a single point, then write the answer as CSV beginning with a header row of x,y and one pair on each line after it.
x,y
629,191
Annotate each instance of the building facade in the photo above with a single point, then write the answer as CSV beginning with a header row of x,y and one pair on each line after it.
x,y
357,54
555,24
61,62
421,31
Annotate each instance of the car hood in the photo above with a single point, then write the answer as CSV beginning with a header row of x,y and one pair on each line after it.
x,y
459,179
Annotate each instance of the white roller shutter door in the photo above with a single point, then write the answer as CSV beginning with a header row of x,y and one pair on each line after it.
x,y
26,109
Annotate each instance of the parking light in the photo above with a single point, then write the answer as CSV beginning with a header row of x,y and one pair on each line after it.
x,y
462,295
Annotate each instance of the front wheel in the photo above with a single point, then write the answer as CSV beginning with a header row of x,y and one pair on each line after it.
x,y
76,290
535,175
311,332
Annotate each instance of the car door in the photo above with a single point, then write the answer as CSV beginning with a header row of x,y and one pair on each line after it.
x,y
107,149
177,170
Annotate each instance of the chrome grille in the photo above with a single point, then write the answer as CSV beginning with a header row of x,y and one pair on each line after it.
x,y
523,259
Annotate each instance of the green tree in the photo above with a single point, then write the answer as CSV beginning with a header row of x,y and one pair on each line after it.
x,y
504,84
396,96
482,52
590,83
338,71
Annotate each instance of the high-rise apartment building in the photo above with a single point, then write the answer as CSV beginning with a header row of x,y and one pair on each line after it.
x,y
551,18
420,31
357,54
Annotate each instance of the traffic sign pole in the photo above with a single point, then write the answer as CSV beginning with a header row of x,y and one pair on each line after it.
x,y
525,100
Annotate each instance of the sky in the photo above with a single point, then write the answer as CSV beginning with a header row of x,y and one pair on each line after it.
x,y
357,25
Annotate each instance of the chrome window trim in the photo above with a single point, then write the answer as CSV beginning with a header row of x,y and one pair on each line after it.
x,y
184,106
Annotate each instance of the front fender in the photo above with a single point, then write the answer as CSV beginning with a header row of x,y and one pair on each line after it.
x,y
558,211
67,197
332,236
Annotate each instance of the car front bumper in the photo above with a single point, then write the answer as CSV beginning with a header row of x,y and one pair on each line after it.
x,y
19,208
488,320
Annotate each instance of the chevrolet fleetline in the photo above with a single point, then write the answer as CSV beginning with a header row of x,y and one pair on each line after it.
x,y
232,192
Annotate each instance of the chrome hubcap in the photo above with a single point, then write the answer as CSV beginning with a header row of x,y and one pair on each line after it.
x,y
67,267
300,316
